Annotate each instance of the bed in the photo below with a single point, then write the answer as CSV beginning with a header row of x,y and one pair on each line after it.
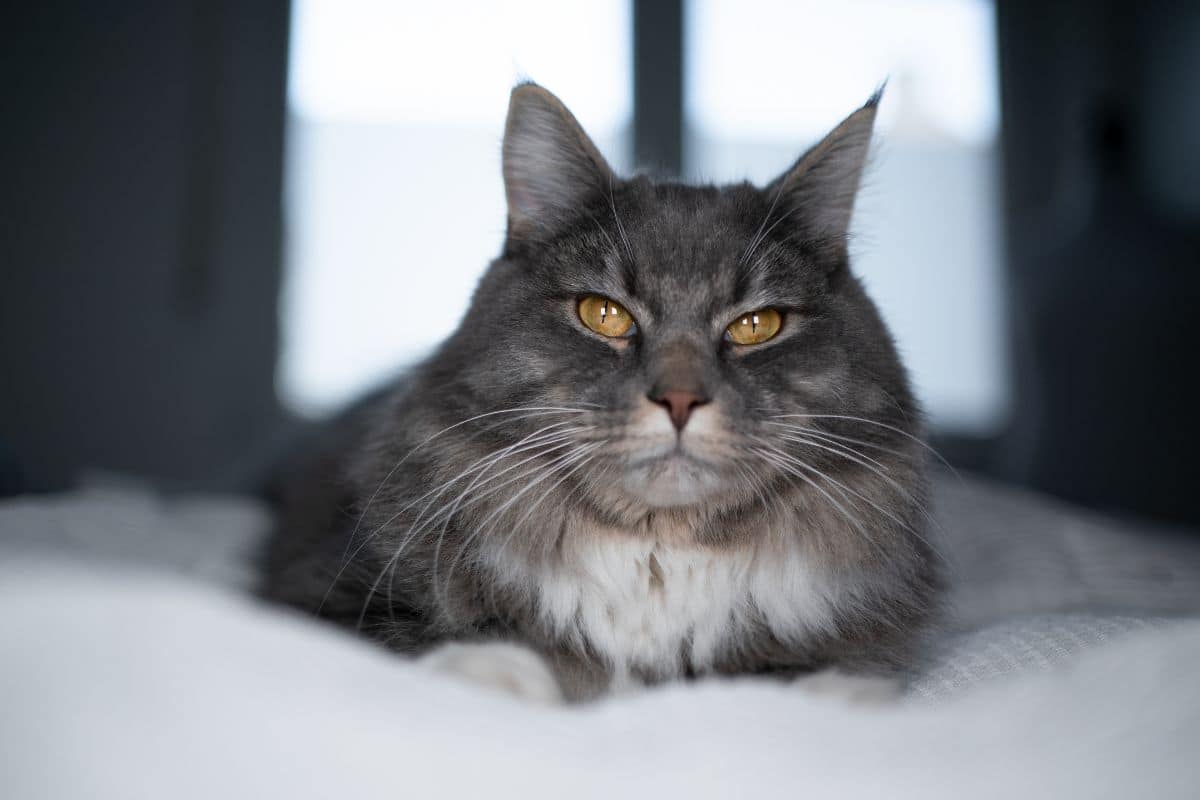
x,y
137,663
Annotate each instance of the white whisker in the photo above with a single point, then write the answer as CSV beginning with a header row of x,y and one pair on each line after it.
x,y
845,490
547,471
447,512
545,443
405,457
348,557
916,439
785,462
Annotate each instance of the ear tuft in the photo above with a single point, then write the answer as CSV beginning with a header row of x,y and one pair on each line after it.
x,y
876,96
821,187
551,167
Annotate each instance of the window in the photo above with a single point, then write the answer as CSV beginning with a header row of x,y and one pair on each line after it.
x,y
394,201
767,78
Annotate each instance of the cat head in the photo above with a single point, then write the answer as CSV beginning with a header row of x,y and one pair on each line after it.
x,y
700,344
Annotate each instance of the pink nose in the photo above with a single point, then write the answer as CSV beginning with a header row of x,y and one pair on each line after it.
x,y
679,405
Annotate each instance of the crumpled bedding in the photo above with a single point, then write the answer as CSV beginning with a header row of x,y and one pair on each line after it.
x,y
134,663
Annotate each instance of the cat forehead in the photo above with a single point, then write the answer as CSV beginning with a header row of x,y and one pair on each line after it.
x,y
705,212
677,243
686,226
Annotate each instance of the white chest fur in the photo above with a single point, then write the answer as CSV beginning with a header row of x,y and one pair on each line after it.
x,y
662,609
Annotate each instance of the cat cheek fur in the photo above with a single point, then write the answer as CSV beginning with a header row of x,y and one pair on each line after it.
x,y
526,483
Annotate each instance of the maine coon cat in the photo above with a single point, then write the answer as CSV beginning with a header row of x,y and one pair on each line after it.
x,y
671,437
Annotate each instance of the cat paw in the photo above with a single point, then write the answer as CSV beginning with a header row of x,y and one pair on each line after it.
x,y
859,690
503,666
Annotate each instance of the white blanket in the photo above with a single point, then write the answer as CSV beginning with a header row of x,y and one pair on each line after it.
x,y
133,664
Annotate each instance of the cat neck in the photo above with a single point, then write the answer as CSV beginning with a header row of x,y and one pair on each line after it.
x,y
655,603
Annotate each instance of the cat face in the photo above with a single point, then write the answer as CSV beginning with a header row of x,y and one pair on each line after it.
x,y
688,346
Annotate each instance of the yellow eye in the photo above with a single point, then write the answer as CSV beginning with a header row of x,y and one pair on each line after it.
x,y
755,327
604,316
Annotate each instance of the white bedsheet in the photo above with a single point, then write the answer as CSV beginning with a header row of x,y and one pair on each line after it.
x,y
133,664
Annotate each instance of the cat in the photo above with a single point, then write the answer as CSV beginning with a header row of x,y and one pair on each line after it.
x,y
671,437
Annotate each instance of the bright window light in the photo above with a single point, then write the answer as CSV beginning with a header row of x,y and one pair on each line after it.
x,y
767,78
394,199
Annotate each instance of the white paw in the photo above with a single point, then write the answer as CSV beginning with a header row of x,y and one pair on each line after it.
x,y
508,667
865,690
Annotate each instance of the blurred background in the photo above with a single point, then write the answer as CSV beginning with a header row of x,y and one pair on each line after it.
x,y
224,220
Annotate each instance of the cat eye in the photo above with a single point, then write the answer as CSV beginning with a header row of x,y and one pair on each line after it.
x,y
755,327
605,317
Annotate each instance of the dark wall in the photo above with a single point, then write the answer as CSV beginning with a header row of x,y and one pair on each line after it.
x,y
142,167
1101,143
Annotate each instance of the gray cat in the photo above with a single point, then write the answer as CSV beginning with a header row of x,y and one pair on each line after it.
x,y
671,437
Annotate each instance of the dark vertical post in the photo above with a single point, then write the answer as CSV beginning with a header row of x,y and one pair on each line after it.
x,y
200,187
658,85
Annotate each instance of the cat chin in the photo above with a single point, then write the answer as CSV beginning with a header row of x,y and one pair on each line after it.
x,y
674,481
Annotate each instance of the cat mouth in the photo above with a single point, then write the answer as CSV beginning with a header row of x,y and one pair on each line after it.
x,y
672,456
677,458
673,477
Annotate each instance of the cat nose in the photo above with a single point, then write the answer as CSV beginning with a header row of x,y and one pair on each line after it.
x,y
679,405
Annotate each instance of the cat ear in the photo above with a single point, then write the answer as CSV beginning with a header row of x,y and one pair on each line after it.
x,y
821,186
551,166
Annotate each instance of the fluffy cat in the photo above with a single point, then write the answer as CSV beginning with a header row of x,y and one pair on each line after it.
x,y
671,437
